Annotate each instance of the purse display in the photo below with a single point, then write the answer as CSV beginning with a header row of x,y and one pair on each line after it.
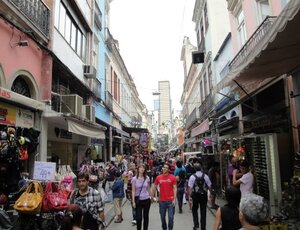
x,y
31,200
54,199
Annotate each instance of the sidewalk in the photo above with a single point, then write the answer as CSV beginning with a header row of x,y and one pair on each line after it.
x,y
219,201
109,212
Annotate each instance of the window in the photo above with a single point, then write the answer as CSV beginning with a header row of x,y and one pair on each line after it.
x,y
115,86
205,17
200,36
205,85
263,10
71,32
241,28
202,92
209,75
95,52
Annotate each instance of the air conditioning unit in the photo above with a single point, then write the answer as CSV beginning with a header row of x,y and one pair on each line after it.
x,y
89,111
89,71
71,103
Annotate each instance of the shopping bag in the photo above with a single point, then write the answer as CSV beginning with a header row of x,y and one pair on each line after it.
x,y
54,199
31,200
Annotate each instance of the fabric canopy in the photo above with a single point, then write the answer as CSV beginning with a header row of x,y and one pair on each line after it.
x,y
78,127
276,53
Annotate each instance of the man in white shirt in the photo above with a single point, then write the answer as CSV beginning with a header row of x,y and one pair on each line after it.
x,y
246,181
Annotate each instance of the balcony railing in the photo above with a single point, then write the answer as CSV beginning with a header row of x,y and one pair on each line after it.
x,y
206,107
109,100
192,118
252,41
36,12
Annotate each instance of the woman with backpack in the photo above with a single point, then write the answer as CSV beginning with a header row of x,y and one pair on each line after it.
x,y
180,174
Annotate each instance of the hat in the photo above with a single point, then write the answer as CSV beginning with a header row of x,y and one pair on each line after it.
x,y
254,208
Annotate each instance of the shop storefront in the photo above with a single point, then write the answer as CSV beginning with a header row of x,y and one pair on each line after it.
x,y
69,139
19,137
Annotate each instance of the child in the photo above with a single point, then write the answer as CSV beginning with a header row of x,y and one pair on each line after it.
x,y
118,195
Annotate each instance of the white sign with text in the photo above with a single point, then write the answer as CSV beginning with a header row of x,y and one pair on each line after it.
x,y
44,170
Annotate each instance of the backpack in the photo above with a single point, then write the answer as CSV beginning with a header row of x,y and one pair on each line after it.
x,y
182,178
199,187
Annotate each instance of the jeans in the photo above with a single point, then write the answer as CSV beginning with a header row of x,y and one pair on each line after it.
x,y
165,206
142,212
133,213
202,201
180,192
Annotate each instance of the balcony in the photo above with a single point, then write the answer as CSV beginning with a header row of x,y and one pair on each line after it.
x,y
192,118
109,100
36,12
206,107
252,42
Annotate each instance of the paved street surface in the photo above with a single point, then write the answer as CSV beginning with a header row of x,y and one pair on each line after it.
x,y
181,221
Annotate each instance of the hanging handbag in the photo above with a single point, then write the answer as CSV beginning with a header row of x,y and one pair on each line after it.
x,y
23,153
31,200
137,198
54,200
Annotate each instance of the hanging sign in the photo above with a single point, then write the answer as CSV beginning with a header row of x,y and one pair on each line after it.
x,y
7,114
44,170
25,118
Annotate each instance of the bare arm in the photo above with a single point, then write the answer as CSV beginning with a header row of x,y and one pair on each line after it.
x,y
133,193
175,193
217,219
234,178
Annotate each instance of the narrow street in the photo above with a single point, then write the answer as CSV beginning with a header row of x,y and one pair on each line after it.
x,y
181,221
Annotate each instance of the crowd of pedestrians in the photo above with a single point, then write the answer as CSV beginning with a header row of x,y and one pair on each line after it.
x,y
170,182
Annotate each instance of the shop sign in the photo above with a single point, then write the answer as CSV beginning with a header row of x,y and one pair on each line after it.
x,y
25,118
65,134
15,97
44,171
7,114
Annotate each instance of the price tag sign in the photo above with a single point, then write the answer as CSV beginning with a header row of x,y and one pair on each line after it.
x,y
44,170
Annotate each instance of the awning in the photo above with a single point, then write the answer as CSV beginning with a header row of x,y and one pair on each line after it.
x,y
122,133
76,125
203,127
276,53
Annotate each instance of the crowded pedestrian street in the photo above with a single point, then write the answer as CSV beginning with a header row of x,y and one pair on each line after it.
x,y
149,114
182,220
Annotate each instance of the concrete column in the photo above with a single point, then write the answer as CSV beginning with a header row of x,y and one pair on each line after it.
x,y
43,139
110,143
121,148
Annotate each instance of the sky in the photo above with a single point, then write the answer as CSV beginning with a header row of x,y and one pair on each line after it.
x,y
150,35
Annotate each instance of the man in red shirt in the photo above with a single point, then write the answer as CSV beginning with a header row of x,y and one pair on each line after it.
x,y
167,196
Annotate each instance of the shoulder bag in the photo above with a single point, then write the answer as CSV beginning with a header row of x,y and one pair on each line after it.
x,y
31,200
137,198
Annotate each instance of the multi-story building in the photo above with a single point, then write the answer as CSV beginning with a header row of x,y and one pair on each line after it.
x,y
197,98
164,115
257,118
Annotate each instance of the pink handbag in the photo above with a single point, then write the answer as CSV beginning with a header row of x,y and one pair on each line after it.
x,y
54,200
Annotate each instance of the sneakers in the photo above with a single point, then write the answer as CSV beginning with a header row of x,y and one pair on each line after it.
x,y
133,222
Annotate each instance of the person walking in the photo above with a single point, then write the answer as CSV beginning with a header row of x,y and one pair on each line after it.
x,y
247,179
142,197
118,195
227,217
180,175
167,196
214,177
89,200
198,185
130,175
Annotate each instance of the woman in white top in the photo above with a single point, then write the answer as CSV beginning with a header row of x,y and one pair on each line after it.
x,y
246,181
